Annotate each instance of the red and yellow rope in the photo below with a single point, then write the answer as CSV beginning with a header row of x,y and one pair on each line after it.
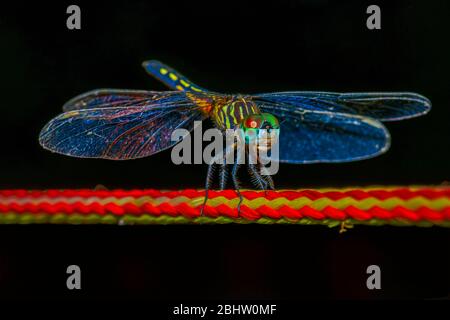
x,y
419,206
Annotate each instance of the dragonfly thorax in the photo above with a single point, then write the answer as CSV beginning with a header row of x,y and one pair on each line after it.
x,y
230,114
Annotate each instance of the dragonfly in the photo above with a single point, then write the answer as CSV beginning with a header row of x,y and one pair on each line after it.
x,y
314,126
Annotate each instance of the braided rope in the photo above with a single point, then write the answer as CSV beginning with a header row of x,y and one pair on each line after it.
x,y
399,206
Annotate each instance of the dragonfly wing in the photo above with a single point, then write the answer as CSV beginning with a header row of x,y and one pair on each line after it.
x,y
384,106
120,133
107,98
317,136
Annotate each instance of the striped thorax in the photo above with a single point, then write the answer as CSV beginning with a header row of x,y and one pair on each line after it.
x,y
228,114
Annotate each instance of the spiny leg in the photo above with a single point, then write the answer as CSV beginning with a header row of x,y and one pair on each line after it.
x,y
256,178
267,177
253,168
235,181
210,173
223,176
209,178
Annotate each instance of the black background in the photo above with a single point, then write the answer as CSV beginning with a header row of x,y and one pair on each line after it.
x,y
229,47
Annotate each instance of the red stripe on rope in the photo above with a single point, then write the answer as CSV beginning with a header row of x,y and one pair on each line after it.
x,y
402,193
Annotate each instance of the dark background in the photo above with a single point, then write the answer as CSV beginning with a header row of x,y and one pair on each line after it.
x,y
228,47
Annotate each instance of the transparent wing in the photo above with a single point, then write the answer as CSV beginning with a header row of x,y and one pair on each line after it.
x,y
121,132
384,106
107,98
308,136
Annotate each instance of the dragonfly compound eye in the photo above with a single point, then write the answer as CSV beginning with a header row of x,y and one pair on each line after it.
x,y
269,121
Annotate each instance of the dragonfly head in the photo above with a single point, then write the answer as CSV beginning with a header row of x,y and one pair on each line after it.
x,y
262,128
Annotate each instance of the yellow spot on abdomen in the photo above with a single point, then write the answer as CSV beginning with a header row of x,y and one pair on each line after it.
x,y
179,87
184,83
173,77
196,89
163,71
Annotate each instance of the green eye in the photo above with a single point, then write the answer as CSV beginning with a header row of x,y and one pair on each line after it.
x,y
271,121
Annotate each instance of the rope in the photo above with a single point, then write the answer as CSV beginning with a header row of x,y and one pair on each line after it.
x,y
398,206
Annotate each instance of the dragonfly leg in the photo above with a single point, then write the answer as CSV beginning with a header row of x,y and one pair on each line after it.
x,y
223,174
236,182
256,177
209,179
269,181
267,177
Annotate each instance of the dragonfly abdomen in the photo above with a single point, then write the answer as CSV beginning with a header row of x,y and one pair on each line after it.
x,y
231,114
170,77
